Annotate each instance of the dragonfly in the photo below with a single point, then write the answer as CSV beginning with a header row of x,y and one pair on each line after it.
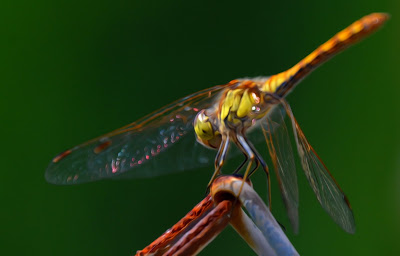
x,y
185,134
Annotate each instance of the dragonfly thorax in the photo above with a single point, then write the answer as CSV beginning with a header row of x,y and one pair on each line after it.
x,y
242,106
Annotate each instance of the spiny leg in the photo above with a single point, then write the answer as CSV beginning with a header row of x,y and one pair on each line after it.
x,y
255,168
242,164
246,173
254,157
219,160
243,145
265,168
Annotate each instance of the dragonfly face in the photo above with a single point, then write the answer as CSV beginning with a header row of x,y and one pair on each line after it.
x,y
164,141
206,130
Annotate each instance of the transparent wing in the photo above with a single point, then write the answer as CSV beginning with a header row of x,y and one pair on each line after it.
x,y
280,149
123,152
328,192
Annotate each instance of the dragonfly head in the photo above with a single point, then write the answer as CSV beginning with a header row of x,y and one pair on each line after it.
x,y
205,131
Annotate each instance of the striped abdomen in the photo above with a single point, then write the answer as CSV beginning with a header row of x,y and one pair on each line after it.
x,y
282,83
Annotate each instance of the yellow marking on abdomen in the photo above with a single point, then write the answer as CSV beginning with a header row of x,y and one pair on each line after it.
x,y
282,83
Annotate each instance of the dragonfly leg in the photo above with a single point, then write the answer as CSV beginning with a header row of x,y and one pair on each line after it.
x,y
246,155
219,160
223,154
254,157
242,164
243,145
266,170
255,168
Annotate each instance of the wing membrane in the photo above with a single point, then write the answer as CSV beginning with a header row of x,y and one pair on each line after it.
x,y
123,152
326,189
280,150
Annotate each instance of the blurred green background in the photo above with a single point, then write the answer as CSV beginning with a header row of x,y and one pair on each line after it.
x,y
72,70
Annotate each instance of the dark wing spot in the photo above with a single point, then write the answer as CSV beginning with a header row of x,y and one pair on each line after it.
x,y
102,146
61,156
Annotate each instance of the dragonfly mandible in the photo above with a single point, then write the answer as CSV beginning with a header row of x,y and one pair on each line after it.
x,y
218,117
